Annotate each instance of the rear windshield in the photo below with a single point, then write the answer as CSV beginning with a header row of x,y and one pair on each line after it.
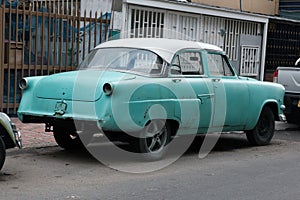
x,y
124,59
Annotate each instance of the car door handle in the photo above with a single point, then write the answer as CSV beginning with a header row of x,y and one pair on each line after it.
x,y
216,80
176,80
204,97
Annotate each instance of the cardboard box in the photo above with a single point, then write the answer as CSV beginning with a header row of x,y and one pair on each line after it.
x,y
13,53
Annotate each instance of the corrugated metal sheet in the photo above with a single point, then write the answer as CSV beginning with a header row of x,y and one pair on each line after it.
x,y
291,5
289,9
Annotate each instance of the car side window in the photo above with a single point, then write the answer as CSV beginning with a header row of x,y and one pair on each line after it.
x,y
218,65
187,63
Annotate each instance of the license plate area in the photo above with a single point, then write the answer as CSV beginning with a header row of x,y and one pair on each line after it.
x,y
60,108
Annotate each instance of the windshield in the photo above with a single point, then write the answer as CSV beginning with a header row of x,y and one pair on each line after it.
x,y
128,59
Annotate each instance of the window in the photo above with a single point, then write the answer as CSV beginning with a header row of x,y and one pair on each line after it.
x,y
187,63
218,65
125,59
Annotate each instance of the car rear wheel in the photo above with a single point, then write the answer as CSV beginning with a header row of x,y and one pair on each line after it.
x,y
2,153
154,139
263,132
67,139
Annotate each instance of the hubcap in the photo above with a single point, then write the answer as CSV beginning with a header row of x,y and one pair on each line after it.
x,y
156,136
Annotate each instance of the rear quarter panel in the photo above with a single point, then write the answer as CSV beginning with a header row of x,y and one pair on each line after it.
x,y
134,103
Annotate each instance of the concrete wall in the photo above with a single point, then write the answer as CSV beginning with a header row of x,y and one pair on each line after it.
x,y
268,7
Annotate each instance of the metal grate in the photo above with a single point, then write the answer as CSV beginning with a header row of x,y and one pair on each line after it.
x,y
250,61
223,32
212,30
145,23
234,29
200,28
187,27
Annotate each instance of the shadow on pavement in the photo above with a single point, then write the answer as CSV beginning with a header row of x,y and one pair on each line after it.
x,y
226,143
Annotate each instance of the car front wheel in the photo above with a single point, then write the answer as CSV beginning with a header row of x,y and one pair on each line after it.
x,y
2,153
263,132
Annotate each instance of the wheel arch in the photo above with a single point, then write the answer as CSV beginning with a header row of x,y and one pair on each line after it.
x,y
174,124
273,105
4,134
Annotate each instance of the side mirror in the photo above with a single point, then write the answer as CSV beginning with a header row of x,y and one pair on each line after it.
x,y
297,62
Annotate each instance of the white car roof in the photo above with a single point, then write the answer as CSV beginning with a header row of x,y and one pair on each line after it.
x,y
166,48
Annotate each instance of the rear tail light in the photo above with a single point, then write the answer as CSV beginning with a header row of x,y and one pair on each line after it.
x,y
23,84
275,76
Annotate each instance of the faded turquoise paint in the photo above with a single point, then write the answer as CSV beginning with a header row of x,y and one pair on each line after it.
x,y
229,102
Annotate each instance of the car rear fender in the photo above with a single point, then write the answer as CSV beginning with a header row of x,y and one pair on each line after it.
x,y
153,109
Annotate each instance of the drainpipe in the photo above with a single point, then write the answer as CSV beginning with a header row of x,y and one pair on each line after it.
x,y
264,49
241,5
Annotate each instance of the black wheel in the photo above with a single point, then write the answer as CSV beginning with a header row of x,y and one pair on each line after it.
x,y
263,132
67,139
154,139
2,153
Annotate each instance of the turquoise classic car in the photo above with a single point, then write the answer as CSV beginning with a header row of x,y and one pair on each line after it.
x,y
147,91
10,137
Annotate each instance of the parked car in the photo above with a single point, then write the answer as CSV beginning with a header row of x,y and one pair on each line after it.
x,y
10,137
150,89
289,77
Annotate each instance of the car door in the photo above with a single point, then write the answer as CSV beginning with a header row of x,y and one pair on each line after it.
x,y
187,76
231,94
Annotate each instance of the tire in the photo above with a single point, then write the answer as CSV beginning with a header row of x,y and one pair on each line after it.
x,y
154,139
67,139
2,153
263,132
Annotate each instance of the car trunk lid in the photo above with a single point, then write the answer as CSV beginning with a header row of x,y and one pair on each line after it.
x,y
84,85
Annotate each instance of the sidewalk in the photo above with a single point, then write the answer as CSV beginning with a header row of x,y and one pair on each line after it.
x,y
34,135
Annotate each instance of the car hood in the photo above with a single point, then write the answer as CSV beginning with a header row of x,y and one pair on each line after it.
x,y
83,85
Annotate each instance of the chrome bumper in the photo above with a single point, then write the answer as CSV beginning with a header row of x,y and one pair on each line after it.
x,y
282,117
17,134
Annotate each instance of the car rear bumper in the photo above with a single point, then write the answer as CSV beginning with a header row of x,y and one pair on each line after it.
x,y
282,117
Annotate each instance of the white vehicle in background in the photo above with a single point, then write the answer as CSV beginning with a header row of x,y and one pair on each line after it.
x,y
10,137
289,77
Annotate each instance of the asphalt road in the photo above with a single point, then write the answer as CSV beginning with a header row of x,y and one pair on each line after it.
x,y
233,170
